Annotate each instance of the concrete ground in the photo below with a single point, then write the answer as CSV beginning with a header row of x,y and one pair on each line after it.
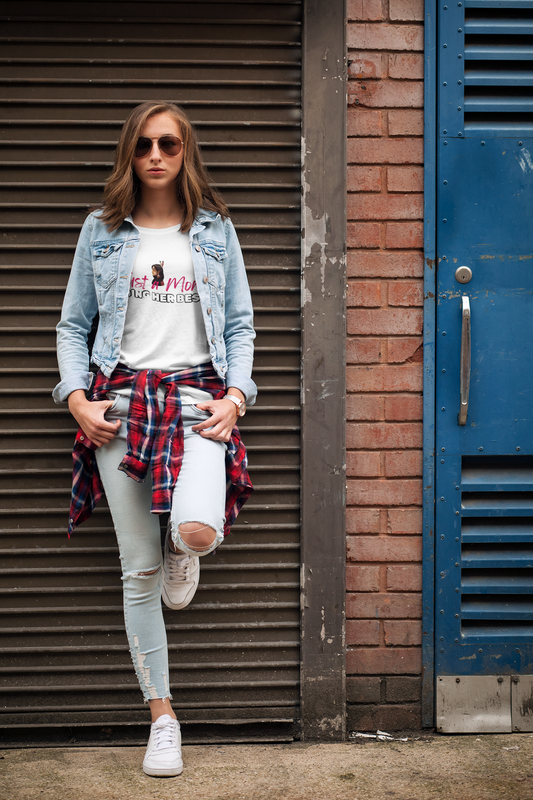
x,y
473,767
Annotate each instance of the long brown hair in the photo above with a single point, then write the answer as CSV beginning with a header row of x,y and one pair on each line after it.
x,y
193,188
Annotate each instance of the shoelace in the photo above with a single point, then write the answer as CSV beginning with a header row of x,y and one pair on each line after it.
x,y
164,737
178,566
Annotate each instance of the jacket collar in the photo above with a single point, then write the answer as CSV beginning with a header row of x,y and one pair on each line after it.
x,y
203,216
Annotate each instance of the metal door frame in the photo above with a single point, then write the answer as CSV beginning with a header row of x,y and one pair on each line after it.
x,y
323,554
430,309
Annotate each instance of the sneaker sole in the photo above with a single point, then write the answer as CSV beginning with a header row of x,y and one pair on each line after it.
x,y
163,773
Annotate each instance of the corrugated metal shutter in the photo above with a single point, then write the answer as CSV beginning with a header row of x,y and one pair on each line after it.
x,y
69,74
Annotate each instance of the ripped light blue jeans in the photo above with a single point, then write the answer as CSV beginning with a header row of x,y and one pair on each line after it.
x,y
199,496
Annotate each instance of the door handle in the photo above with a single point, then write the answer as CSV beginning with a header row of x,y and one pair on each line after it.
x,y
464,369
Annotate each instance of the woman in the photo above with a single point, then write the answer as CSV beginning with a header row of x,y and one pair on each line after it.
x,y
157,425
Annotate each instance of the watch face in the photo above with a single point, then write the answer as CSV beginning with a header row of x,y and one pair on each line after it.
x,y
242,409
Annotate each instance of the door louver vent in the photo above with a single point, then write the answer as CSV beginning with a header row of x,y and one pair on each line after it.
x,y
496,549
498,76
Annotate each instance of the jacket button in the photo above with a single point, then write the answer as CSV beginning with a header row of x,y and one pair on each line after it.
x,y
209,310
213,340
197,248
206,279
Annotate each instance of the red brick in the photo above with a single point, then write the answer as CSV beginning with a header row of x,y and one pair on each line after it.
x,y
364,179
364,123
384,492
406,66
402,632
365,9
384,549
406,123
384,661
363,465
384,717
378,435
365,631
385,265
362,520
365,690
404,234
386,37
406,293
363,351
403,407
385,206
407,521
397,689
364,65
406,463
386,94
385,378
363,234
403,578
360,406
385,151
362,579
405,179
401,350
385,321
364,293
374,605
405,10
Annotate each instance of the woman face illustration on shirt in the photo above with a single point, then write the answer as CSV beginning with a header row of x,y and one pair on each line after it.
x,y
158,276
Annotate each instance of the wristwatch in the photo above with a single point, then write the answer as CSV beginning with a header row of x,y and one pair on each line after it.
x,y
241,404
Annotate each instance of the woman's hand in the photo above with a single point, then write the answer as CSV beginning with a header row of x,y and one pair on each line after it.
x,y
90,417
221,422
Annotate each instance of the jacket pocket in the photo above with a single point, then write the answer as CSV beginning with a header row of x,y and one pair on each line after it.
x,y
216,250
105,256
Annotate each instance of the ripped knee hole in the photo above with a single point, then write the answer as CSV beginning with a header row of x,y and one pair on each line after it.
x,y
146,573
197,538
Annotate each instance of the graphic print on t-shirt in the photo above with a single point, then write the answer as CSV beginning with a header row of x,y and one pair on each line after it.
x,y
158,275
164,327
176,289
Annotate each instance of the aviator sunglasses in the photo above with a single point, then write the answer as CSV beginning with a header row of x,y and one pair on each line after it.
x,y
168,144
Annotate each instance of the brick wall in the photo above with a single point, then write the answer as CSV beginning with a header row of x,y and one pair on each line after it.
x,y
384,371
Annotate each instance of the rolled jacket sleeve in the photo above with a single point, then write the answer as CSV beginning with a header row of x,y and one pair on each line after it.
x,y
239,331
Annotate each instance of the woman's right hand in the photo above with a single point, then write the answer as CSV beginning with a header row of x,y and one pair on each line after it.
x,y
90,417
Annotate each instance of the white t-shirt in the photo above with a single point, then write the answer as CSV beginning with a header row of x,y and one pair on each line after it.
x,y
164,328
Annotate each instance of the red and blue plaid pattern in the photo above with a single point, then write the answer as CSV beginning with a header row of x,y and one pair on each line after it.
x,y
155,442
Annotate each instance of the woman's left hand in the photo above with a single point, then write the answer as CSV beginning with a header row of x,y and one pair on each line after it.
x,y
220,423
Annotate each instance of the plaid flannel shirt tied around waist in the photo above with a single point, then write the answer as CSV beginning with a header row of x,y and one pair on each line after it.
x,y
154,442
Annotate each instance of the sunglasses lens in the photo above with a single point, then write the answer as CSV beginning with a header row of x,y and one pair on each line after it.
x,y
144,145
170,145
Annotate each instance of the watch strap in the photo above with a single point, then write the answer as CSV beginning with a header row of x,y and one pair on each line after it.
x,y
233,399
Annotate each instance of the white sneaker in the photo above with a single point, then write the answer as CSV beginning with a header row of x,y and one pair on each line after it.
x,y
181,574
163,754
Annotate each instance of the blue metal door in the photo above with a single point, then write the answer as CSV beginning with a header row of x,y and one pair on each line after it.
x,y
484,402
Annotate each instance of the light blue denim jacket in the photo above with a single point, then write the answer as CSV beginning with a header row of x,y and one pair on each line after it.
x,y
100,281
